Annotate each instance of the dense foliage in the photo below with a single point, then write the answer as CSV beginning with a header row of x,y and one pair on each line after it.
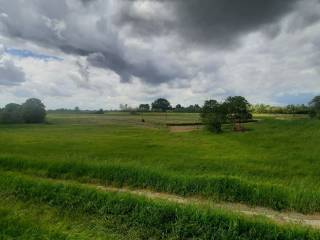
x,y
32,111
315,107
161,104
213,115
12,113
233,109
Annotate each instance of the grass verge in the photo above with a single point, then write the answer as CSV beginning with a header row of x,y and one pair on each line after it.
x,y
156,219
222,188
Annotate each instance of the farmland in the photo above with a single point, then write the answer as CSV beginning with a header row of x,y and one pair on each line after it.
x,y
57,177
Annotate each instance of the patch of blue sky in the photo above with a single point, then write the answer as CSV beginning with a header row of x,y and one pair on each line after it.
x,y
302,98
23,53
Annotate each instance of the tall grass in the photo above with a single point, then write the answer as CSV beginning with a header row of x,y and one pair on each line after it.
x,y
223,188
158,219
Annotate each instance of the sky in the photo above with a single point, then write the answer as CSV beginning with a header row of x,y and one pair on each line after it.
x,y
103,53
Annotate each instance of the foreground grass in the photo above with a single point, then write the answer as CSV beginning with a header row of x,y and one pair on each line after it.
x,y
14,227
156,219
34,220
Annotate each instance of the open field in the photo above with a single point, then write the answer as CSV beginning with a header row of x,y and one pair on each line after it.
x,y
273,165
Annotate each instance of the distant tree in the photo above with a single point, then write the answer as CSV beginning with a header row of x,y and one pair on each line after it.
x,y
238,109
315,107
100,111
33,111
144,107
11,114
197,108
161,104
213,115
77,109
179,108
291,109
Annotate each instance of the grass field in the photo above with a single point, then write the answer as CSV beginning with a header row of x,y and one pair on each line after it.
x,y
274,164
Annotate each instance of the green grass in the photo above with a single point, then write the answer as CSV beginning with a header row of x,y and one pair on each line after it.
x,y
34,220
273,164
155,219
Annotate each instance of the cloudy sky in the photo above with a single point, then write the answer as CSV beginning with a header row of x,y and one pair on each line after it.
x,y
102,53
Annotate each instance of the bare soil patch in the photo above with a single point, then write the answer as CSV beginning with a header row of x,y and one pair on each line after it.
x,y
184,128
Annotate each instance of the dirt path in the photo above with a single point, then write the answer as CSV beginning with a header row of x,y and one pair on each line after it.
x,y
279,217
184,128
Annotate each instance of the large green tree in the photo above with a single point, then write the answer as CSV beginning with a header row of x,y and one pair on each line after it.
x,y
33,111
161,104
238,108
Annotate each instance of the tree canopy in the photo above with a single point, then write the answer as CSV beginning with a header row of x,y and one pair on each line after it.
x,y
144,107
11,114
238,108
161,104
234,109
32,111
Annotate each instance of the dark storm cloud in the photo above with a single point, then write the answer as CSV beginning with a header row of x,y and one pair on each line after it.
x,y
95,29
222,21
209,22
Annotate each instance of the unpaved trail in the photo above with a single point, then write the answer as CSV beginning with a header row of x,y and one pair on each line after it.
x,y
184,128
279,217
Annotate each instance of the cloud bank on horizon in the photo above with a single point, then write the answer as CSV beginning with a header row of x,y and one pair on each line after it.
x,y
101,53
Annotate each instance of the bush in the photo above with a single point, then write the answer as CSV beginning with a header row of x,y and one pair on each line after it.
x,y
100,111
11,114
213,115
33,111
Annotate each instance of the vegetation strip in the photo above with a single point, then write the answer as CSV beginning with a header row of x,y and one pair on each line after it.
x,y
223,188
278,217
159,219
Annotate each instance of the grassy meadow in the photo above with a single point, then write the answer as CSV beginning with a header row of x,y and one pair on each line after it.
x,y
274,164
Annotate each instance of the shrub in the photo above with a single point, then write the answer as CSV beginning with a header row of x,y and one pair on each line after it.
x,y
213,114
11,114
33,111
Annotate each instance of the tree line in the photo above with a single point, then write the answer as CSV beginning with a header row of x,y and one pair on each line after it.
x,y
31,111
213,113
162,105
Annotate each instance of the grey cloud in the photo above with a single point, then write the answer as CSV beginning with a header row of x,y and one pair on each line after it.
x,y
209,22
98,29
10,74
221,22
308,14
